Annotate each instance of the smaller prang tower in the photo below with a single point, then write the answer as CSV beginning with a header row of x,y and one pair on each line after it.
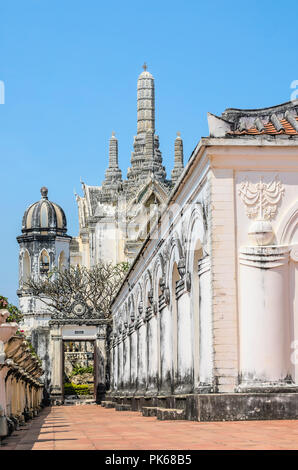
x,y
44,244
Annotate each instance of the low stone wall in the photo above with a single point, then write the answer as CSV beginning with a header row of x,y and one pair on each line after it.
x,y
21,391
210,406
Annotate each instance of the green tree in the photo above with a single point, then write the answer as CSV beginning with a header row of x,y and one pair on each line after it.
x,y
14,313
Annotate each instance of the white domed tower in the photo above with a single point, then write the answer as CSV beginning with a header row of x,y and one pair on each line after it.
x,y
44,245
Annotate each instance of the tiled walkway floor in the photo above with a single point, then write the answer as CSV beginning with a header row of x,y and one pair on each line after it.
x,y
91,427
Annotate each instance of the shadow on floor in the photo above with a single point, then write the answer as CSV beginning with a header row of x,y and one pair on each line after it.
x,y
26,435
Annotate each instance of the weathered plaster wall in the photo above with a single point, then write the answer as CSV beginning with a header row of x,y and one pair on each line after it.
x,y
224,286
224,308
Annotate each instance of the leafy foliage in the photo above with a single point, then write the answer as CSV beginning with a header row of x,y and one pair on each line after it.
x,y
73,389
95,286
15,314
78,370
33,352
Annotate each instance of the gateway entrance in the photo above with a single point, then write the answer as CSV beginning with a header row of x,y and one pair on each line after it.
x,y
79,361
78,369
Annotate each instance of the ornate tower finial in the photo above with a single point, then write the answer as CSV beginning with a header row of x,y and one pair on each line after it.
x,y
178,160
113,173
44,192
145,105
113,152
145,66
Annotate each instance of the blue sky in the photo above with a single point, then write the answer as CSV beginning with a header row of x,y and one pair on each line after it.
x,y
70,70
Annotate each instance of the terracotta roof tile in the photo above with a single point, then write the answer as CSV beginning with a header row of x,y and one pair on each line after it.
x,y
268,129
277,120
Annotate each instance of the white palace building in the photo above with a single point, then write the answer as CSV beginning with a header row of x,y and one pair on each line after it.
x,y
205,324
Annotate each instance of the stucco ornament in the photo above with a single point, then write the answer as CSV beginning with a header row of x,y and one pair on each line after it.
x,y
150,296
181,267
165,291
167,296
140,308
261,200
79,309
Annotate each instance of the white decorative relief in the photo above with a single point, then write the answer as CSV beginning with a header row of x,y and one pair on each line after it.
x,y
261,199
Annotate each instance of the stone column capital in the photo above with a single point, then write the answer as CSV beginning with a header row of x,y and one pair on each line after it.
x,y
264,257
56,337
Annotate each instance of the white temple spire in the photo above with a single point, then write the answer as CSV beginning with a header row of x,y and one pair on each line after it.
x,y
146,101
146,159
113,152
178,159
113,173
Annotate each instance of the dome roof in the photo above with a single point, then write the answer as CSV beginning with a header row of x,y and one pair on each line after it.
x,y
44,216
145,73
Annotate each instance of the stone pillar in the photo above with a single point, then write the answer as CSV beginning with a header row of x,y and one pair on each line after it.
x,y
264,323
165,347
13,390
57,366
133,336
152,379
126,361
92,245
111,355
205,382
142,356
184,381
116,364
8,391
3,391
18,397
101,362
120,363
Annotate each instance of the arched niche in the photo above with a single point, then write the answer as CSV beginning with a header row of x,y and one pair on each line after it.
x,y
131,309
195,255
125,314
196,238
148,289
26,267
62,261
139,300
287,234
158,277
172,275
44,262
